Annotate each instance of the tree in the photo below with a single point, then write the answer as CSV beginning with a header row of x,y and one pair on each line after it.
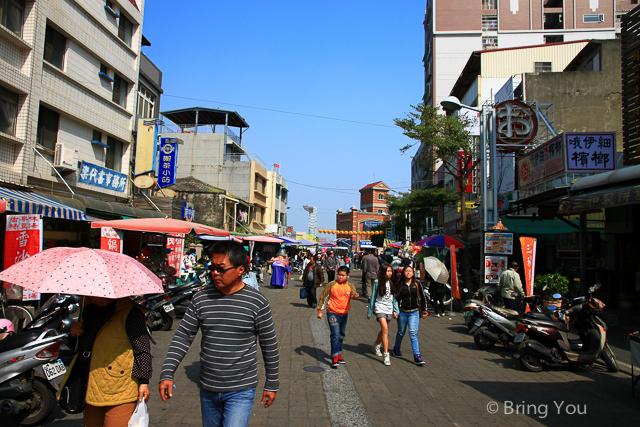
x,y
420,203
447,140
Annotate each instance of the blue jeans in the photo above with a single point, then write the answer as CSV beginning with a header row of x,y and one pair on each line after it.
x,y
232,409
338,326
412,320
509,303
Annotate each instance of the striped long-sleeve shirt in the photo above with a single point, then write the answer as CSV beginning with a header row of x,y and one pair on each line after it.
x,y
230,325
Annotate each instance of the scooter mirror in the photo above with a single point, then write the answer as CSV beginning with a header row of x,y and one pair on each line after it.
x,y
556,296
465,290
73,308
552,308
544,288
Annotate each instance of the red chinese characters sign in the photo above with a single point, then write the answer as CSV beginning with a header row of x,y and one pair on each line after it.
x,y
528,245
542,163
462,157
516,124
175,242
110,239
23,238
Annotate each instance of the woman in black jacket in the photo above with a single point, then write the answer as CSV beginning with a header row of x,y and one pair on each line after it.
x,y
413,307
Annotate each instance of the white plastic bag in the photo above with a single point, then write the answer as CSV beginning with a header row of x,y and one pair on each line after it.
x,y
140,417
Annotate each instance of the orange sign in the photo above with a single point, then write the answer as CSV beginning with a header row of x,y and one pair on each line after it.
x,y
529,256
455,292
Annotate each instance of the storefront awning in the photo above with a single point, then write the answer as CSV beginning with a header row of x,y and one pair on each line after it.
x,y
120,210
609,198
32,203
526,227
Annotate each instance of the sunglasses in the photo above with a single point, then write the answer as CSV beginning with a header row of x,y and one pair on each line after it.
x,y
222,270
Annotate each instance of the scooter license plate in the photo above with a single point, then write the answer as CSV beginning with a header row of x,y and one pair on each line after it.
x,y
479,322
467,313
168,308
519,337
54,370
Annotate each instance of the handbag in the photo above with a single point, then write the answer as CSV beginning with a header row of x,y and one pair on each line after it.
x,y
74,392
140,416
303,293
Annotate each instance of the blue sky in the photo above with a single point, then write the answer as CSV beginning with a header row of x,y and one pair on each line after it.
x,y
355,61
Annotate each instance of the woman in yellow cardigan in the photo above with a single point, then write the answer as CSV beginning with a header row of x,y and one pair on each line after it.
x,y
113,336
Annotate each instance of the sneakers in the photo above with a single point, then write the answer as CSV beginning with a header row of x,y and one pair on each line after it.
x,y
438,315
396,352
341,360
334,363
417,359
376,349
386,360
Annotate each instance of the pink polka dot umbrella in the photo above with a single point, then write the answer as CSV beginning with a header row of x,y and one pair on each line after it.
x,y
83,271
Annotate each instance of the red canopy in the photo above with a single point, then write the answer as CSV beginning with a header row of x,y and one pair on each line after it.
x,y
160,225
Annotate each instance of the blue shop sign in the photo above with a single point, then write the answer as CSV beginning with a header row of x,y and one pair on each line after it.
x,y
102,177
188,211
167,162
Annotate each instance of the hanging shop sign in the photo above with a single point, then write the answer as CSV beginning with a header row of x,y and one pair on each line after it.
x,y
498,243
144,181
166,192
528,245
494,266
516,124
188,211
590,152
146,146
23,238
110,239
167,163
102,177
463,158
370,225
503,203
542,163
175,249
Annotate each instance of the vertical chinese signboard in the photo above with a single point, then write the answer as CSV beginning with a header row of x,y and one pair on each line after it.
x,y
23,238
167,162
175,246
590,152
110,239
631,87
529,257
146,147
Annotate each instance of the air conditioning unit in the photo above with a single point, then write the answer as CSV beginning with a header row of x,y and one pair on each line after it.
x,y
65,158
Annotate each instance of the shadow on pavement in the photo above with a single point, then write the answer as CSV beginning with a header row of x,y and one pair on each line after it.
x,y
299,304
318,354
461,329
193,372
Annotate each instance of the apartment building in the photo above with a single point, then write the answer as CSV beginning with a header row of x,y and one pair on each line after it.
x,y
454,29
277,197
69,85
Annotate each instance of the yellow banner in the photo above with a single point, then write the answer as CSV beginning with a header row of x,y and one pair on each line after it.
x,y
145,147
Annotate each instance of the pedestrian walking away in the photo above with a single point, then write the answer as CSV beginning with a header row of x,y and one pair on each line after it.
x,y
508,284
370,267
313,277
233,318
437,292
330,263
256,266
111,333
340,293
384,306
413,307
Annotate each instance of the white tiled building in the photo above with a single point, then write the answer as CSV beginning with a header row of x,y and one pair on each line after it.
x,y
69,76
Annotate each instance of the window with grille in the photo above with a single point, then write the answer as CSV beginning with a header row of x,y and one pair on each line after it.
x,y
489,4
489,22
8,111
113,160
542,67
489,43
146,102
12,15
55,45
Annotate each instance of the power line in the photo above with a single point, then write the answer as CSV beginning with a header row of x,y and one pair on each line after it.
x,y
281,111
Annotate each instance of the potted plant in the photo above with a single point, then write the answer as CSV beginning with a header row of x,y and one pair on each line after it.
x,y
550,284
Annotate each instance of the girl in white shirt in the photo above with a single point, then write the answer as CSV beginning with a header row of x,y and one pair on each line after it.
x,y
384,305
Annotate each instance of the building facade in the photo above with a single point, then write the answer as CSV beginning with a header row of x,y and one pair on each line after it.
x,y
277,197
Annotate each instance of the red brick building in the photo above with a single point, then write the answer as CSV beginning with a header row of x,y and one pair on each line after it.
x,y
373,211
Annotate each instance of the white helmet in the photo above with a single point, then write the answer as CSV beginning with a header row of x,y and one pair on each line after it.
x,y
4,323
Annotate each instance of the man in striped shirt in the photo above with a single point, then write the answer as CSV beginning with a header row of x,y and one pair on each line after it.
x,y
231,317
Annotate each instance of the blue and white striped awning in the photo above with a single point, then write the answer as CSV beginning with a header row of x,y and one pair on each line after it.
x,y
32,203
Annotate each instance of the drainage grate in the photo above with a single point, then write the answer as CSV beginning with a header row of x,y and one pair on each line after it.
x,y
313,369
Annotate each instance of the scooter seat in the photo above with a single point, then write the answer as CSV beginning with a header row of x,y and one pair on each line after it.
x,y
18,340
506,313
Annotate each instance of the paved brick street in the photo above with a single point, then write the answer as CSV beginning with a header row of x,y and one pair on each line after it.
x,y
457,386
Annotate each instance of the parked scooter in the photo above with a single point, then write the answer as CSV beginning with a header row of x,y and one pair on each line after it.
x,y
28,361
548,340
162,307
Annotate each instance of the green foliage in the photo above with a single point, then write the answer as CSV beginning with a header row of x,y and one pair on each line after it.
x,y
378,239
420,203
556,284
